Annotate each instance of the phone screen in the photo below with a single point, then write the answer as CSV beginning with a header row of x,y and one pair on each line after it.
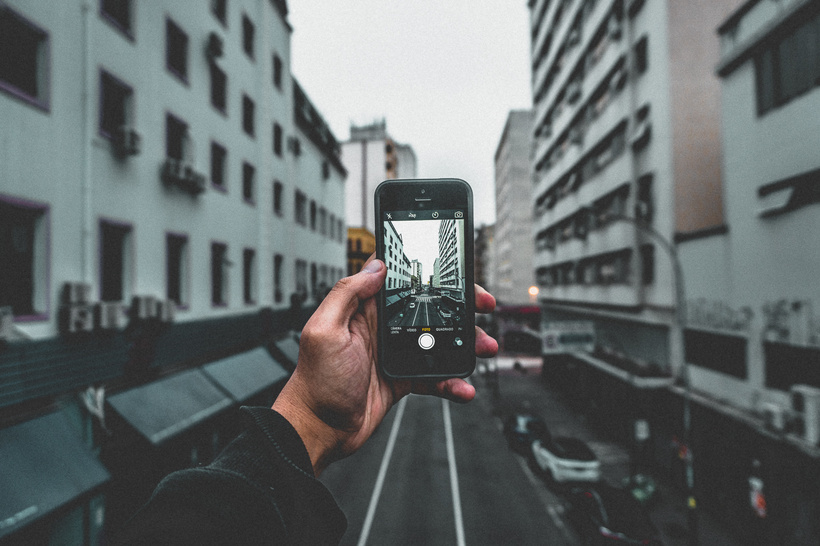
x,y
425,289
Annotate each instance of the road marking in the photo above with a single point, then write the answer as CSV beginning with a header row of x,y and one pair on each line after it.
x,y
377,489
451,456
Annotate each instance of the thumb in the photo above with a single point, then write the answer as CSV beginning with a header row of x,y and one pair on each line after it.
x,y
346,296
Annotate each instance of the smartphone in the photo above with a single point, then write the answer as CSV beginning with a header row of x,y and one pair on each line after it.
x,y
426,310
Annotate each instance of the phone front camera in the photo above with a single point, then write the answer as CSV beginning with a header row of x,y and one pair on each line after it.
x,y
421,205
423,190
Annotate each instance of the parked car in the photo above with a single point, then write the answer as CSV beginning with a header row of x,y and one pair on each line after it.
x,y
521,429
412,304
603,514
564,460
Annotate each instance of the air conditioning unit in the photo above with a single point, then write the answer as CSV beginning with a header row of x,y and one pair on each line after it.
x,y
775,416
805,406
6,322
614,28
127,141
108,315
75,293
76,319
574,37
182,174
143,307
214,46
618,79
166,310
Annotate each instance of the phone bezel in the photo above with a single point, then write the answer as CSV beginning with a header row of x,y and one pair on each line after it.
x,y
441,193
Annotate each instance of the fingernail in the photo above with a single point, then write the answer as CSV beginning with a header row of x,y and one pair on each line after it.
x,y
373,267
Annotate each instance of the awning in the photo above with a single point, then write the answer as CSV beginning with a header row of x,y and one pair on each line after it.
x,y
289,348
246,374
43,465
164,408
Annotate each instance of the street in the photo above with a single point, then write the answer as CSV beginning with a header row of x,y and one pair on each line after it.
x,y
441,473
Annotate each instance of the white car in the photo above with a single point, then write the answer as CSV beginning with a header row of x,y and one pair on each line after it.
x,y
565,460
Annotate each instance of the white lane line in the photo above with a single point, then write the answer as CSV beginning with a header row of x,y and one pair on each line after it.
x,y
451,456
377,489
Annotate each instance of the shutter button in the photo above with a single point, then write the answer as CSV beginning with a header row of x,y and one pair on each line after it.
x,y
426,341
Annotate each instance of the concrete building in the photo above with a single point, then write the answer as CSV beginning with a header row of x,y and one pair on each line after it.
x,y
513,205
372,156
167,186
451,256
399,267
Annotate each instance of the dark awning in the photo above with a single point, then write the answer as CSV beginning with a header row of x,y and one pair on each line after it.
x,y
246,374
164,408
43,465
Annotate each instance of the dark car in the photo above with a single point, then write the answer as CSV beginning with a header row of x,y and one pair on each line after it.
x,y
521,429
604,514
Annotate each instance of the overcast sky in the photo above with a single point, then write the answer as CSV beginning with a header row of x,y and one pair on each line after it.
x,y
443,74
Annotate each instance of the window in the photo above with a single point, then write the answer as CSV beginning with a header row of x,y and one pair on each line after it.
x,y
277,139
115,105
313,215
278,260
219,157
248,108
301,277
115,261
277,71
641,56
24,266
322,221
220,10
339,230
219,274
300,208
219,88
176,138
332,226
249,275
248,175
23,58
788,67
248,31
647,264
325,170
176,50
277,197
118,13
176,252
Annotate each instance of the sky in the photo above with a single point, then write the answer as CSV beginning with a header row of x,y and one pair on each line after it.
x,y
444,74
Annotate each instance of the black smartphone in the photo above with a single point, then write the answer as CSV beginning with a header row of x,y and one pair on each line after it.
x,y
424,234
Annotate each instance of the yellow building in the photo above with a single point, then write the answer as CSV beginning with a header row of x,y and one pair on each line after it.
x,y
361,243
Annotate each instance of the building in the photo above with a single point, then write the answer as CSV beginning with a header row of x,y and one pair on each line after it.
x,y
451,257
399,267
513,211
485,269
167,187
372,156
361,244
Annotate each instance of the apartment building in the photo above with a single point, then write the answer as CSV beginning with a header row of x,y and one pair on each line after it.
x,y
167,186
513,252
372,156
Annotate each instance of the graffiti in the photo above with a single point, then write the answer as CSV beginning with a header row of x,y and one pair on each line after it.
x,y
792,322
718,315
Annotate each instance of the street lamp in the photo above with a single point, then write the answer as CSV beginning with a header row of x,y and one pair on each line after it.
x,y
678,325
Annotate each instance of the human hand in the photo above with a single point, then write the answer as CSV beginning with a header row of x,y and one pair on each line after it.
x,y
337,395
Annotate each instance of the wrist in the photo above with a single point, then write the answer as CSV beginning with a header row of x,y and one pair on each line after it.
x,y
319,438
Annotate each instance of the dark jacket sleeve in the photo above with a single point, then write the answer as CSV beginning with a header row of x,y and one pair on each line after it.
x,y
259,490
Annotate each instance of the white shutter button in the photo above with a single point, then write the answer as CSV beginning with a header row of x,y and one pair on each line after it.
x,y
426,341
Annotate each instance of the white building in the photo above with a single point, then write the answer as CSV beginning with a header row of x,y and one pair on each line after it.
x,y
398,265
372,156
451,255
513,248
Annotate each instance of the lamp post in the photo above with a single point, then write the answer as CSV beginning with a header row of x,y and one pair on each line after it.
x,y
678,325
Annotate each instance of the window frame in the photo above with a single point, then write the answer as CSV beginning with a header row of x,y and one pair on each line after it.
x,y
214,89
128,29
248,37
249,276
127,264
278,268
42,98
181,72
127,105
183,269
278,198
248,183
248,116
278,138
216,146
224,276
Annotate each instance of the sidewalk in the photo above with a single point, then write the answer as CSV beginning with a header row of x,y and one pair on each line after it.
x,y
523,389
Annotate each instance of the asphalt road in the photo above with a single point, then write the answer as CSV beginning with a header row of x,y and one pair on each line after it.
x,y
441,473
423,313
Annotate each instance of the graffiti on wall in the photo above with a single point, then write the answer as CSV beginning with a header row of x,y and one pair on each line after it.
x,y
718,315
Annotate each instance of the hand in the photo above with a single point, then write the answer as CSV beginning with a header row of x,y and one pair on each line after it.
x,y
337,395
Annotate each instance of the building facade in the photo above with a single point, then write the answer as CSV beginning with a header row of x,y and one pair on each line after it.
x,y
361,243
451,273
167,187
513,211
372,156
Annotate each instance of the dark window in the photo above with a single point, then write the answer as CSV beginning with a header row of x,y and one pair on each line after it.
x,y
248,31
113,256
277,139
219,273
325,170
277,277
176,50
117,12
23,58
277,71
719,352
219,157
219,88
176,248
647,264
300,208
248,266
248,175
787,365
115,100
641,56
220,10
313,215
176,136
19,271
277,197
248,115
